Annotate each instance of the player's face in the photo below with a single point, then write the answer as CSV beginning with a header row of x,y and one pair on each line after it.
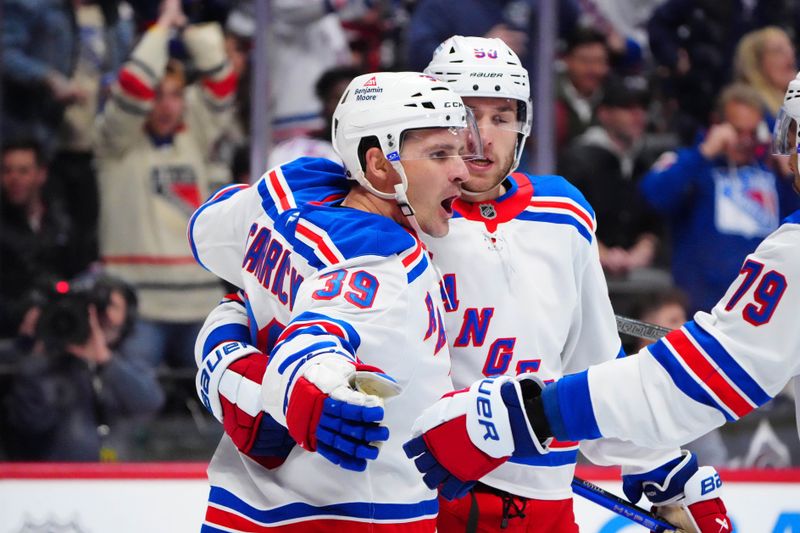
x,y
167,114
22,177
495,117
435,171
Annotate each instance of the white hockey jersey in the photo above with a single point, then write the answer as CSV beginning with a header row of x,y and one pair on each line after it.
x,y
526,293
716,368
323,273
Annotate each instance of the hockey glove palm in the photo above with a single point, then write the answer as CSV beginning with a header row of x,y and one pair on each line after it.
x,y
469,433
685,495
335,409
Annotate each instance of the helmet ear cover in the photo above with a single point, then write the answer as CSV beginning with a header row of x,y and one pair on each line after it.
x,y
363,147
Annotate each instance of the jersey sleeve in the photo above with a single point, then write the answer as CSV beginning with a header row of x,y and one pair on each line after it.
x,y
220,228
593,339
716,368
336,312
225,338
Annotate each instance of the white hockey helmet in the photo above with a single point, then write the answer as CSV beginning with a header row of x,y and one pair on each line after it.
x,y
784,135
386,105
483,67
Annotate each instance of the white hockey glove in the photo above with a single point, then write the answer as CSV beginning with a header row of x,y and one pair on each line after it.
x,y
335,408
470,432
685,495
206,45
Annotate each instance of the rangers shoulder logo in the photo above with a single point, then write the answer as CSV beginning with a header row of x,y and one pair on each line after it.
x,y
487,211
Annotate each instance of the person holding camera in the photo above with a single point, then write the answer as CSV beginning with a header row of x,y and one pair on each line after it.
x,y
70,392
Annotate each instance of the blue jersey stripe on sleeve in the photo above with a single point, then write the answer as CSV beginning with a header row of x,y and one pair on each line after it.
x,y
683,380
226,332
569,410
417,271
728,364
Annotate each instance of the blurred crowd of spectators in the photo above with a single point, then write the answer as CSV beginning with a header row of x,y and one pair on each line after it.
x,y
119,117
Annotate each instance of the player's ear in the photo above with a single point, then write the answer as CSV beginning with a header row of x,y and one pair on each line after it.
x,y
380,171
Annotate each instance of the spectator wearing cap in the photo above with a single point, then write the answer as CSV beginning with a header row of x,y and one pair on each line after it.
x,y
606,163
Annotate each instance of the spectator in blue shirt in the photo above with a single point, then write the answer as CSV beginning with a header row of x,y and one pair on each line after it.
x,y
721,197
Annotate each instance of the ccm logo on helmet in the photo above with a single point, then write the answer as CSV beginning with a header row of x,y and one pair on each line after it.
x,y
483,406
453,104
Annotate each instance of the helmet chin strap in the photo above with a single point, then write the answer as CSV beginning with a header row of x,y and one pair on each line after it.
x,y
401,198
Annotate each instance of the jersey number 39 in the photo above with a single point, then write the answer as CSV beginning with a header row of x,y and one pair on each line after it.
x,y
359,287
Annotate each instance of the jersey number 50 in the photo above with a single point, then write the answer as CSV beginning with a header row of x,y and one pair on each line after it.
x,y
767,295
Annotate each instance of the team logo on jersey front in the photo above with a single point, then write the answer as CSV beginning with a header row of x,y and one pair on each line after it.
x,y
487,211
178,185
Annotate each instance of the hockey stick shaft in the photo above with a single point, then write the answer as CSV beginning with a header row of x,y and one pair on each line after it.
x,y
637,328
612,502
617,505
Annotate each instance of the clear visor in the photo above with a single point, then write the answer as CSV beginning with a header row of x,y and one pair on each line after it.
x,y
784,134
504,114
440,143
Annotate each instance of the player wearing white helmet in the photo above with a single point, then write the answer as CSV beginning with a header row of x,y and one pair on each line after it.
x,y
488,75
340,295
717,368
526,295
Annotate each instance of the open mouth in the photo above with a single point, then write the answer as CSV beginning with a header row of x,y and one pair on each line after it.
x,y
480,163
447,204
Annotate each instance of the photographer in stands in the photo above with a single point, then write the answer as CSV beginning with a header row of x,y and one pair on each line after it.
x,y
66,398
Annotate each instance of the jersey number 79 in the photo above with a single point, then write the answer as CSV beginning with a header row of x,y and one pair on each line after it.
x,y
767,294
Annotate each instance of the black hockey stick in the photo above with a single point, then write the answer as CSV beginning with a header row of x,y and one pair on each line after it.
x,y
637,328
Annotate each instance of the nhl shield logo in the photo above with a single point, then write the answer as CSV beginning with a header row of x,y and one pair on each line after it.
x,y
487,211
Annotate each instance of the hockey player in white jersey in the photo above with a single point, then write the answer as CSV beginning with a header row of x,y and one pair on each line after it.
x,y
525,294
340,294
716,368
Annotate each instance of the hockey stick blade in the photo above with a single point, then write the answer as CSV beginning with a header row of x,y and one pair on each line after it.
x,y
637,328
615,504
